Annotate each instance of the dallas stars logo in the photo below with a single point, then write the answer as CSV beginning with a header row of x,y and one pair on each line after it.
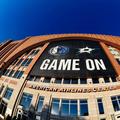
x,y
85,50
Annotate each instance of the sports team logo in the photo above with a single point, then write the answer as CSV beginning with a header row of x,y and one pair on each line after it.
x,y
59,50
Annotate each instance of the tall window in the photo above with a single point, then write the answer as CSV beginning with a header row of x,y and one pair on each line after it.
x,y
3,107
83,81
40,104
83,107
19,62
116,102
55,106
100,106
26,101
26,62
74,81
69,107
65,107
11,73
6,72
18,74
1,88
113,79
47,80
58,80
73,108
34,52
95,80
106,79
8,93
66,81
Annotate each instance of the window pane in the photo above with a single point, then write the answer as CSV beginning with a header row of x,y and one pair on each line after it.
x,y
28,62
8,93
74,81
73,109
20,74
47,80
58,80
106,79
26,101
19,62
101,109
40,104
55,109
24,62
6,72
11,73
66,81
115,105
83,110
113,79
16,74
65,109
83,81
95,80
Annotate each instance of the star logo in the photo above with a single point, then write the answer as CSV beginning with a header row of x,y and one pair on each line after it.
x,y
85,50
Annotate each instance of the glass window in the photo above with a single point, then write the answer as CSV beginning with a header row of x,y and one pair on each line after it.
x,y
19,62
116,102
24,62
47,80
37,79
74,81
55,106
11,73
32,52
106,79
83,107
8,93
14,62
58,80
83,81
18,74
6,72
3,107
113,79
66,81
26,101
1,88
36,51
100,106
95,80
40,104
28,62
73,108
65,108
31,78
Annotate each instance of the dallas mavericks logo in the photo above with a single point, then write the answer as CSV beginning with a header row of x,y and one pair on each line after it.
x,y
59,50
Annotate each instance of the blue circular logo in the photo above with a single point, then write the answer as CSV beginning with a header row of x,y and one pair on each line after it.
x,y
59,50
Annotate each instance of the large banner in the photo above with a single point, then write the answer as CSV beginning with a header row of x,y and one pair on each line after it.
x,y
73,59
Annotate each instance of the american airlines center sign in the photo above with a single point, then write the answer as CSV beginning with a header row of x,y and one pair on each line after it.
x,y
73,58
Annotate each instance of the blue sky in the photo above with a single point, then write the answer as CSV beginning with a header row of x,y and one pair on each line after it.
x,y
22,18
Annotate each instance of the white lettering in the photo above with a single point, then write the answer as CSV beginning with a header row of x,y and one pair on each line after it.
x,y
45,64
53,65
65,65
100,64
75,64
90,64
